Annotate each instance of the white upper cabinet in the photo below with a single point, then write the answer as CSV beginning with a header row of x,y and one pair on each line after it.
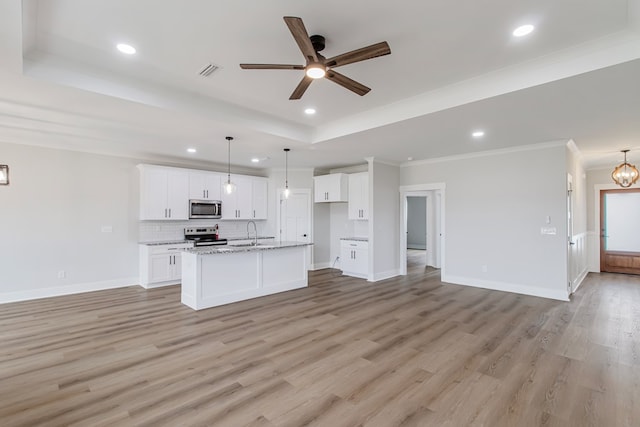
x,y
331,188
163,193
259,198
359,196
204,185
238,205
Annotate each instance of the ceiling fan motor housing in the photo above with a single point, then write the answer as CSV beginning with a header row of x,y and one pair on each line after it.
x,y
317,42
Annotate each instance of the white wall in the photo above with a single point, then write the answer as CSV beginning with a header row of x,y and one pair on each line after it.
x,y
384,220
51,217
417,222
496,204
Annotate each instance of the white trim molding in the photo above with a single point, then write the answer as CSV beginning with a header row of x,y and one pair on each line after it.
x,y
383,275
487,153
76,288
557,294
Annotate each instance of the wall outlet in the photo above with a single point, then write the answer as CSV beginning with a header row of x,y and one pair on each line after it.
x,y
484,269
62,274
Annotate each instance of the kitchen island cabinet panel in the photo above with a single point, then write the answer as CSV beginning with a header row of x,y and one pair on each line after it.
x,y
238,275
274,275
218,276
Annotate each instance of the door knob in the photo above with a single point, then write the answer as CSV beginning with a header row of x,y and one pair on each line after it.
x,y
304,235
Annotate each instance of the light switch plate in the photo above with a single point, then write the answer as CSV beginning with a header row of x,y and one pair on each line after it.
x,y
550,231
107,229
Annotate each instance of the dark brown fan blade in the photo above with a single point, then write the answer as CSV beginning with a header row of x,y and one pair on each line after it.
x,y
301,88
299,33
271,67
373,51
348,83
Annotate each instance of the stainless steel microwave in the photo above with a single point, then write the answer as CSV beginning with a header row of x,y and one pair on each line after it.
x,y
205,208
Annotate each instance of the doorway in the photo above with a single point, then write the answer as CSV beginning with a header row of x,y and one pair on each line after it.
x,y
416,232
294,218
422,228
620,231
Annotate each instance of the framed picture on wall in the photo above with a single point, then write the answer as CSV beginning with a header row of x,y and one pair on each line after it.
x,y
4,175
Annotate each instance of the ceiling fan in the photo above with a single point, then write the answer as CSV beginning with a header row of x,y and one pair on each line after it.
x,y
318,66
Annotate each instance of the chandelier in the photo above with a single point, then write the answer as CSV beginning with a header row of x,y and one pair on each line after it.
x,y
625,174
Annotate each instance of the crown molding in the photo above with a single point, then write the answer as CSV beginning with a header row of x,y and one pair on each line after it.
x,y
488,153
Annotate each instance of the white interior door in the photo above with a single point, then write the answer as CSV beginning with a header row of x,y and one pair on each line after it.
x,y
295,217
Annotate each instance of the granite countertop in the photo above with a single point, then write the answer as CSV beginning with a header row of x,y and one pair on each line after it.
x,y
357,239
166,242
231,239
227,249
178,242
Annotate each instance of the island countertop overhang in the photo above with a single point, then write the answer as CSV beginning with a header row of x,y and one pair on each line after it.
x,y
229,249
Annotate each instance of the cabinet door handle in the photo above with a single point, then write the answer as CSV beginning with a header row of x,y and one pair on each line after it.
x,y
170,258
254,213
169,212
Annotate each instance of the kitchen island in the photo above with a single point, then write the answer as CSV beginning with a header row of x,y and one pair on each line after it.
x,y
221,275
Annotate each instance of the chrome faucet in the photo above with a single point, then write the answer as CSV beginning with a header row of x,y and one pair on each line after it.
x,y
255,229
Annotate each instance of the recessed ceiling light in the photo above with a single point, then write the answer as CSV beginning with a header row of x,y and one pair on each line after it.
x,y
478,134
191,150
259,159
409,158
126,48
310,111
523,30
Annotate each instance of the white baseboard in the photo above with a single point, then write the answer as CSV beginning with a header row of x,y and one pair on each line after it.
x,y
560,295
384,275
579,280
416,246
66,290
320,266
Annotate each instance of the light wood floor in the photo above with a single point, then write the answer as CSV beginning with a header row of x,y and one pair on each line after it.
x,y
408,351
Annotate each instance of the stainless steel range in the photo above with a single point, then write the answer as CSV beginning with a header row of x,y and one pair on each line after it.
x,y
203,236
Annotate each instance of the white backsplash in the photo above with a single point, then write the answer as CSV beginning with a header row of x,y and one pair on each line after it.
x,y
156,231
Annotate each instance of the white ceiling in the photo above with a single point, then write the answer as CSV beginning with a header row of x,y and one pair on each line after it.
x,y
454,68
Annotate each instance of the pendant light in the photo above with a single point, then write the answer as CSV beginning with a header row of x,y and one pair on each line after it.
x,y
286,174
229,187
625,174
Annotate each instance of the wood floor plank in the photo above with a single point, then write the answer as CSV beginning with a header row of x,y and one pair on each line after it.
x,y
408,351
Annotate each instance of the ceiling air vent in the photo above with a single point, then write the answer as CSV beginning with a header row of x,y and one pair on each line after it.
x,y
207,70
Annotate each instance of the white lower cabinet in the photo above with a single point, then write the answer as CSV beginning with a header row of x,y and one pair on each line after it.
x,y
161,265
354,258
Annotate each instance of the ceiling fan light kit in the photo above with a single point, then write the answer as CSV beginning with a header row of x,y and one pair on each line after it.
x,y
317,66
316,71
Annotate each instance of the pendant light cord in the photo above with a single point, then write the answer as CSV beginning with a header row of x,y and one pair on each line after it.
x,y
286,168
229,138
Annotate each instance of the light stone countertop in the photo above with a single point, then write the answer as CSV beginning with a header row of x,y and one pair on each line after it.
x,y
357,239
178,242
166,242
228,249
